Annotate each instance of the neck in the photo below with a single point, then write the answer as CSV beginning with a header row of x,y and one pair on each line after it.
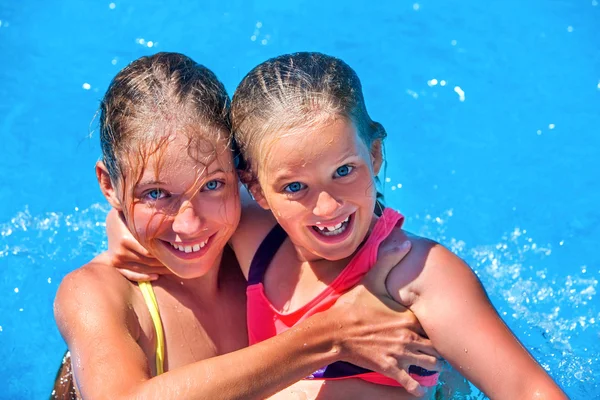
x,y
206,285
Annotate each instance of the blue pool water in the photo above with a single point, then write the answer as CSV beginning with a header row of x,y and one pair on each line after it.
x,y
492,110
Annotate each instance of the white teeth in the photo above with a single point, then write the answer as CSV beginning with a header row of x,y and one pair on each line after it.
x,y
334,229
189,248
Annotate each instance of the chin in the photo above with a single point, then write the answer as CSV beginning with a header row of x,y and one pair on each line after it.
x,y
336,254
188,270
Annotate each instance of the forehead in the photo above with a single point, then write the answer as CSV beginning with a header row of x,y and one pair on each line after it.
x,y
314,144
180,153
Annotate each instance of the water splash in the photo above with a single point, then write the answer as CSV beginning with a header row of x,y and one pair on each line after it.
x,y
554,314
54,236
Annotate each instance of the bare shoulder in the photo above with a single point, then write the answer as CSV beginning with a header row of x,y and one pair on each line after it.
x,y
427,260
90,294
254,225
253,215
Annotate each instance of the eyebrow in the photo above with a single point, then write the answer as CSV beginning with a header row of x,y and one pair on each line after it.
x,y
155,182
283,177
151,183
289,174
216,171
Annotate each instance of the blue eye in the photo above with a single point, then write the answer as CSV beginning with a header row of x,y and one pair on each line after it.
x,y
294,187
155,194
343,170
213,185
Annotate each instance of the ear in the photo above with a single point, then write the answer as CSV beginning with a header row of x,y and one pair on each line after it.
x,y
254,188
106,186
376,155
258,195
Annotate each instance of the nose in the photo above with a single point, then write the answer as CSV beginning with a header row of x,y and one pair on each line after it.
x,y
188,221
326,205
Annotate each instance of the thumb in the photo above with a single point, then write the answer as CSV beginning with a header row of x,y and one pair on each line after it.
x,y
137,276
390,253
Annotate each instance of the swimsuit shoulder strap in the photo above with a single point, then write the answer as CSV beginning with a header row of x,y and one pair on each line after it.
x,y
152,304
265,253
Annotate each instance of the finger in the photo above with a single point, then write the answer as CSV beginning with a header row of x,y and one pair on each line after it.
x,y
137,276
409,383
131,244
144,269
424,361
158,270
422,345
387,259
133,258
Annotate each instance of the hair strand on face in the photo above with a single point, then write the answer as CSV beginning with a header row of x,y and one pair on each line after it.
x,y
147,103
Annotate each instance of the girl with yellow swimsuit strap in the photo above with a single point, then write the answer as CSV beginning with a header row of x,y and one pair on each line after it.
x,y
150,298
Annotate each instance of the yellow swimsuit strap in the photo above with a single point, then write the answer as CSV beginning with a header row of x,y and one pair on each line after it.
x,y
148,292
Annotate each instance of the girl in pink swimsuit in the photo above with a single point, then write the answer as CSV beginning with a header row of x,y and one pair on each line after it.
x,y
312,154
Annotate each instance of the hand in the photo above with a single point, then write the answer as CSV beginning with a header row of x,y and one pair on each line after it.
x,y
380,334
127,255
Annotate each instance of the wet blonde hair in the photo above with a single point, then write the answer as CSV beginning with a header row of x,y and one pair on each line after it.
x,y
151,98
293,91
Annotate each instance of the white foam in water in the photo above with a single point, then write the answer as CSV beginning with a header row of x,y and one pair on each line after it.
x,y
54,236
555,316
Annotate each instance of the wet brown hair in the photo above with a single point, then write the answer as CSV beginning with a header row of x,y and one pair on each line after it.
x,y
292,91
152,98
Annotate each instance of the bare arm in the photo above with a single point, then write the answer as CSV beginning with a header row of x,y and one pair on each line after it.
x,y
101,333
101,330
458,317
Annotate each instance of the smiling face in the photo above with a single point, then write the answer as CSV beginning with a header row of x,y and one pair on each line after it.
x,y
319,182
185,205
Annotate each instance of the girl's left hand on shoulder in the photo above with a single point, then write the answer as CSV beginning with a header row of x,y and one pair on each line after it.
x,y
127,255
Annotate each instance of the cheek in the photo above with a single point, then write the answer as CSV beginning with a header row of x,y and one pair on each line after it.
x,y
228,208
288,213
147,222
364,187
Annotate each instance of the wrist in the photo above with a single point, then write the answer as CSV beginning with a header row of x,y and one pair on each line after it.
x,y
324,334
338,325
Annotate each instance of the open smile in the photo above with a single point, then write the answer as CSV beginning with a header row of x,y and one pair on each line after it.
x,y
334,232
189,250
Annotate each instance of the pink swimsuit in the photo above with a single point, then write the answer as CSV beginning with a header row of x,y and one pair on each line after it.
x,y
264,321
